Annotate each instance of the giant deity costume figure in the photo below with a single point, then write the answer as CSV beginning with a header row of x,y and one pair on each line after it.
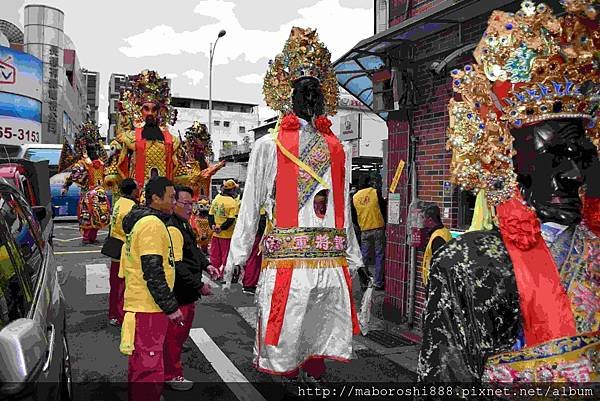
x,y
198,151
521,302
305,309
86,165
145,147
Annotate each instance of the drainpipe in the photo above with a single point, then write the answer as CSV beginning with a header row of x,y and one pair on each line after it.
x,y
413,195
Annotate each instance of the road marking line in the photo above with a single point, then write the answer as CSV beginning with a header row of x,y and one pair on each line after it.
x,y
96,279
248,313
67,227
72,252
234,379
212,283
73,239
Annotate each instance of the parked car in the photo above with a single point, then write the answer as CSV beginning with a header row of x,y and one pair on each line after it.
x,y
39,151
50,152
34,352
62,206
31,180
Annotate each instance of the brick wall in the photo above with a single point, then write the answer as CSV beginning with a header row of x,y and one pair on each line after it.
x,y
433,161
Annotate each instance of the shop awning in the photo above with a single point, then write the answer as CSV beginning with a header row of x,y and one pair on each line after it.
x,y
355,69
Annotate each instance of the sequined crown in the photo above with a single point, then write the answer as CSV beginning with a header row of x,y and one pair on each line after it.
x,y
198,137
88,134
530,66
146,87
303,56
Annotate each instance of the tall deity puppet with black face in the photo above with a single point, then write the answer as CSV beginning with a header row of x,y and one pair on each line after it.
x,y
521,302
311,252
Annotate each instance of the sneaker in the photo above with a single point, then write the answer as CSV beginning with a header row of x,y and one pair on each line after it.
x,y
180,383
249,290
114,322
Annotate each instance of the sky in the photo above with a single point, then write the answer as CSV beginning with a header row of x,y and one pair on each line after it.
x,y
173,37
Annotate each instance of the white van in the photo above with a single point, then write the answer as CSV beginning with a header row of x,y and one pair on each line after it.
x,y
50,152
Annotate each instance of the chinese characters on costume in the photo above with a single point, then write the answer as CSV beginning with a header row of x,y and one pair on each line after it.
x,y
521,302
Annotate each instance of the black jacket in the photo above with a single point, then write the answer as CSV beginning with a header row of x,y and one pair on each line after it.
x,y
188,272
152,265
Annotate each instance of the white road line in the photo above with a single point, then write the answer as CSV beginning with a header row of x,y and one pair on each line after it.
x,y
248,313
96,279
234,379
73,239
75,252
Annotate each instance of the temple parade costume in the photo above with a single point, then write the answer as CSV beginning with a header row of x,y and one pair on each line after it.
x,y
145,147
198,151
521,302
305,309
87,171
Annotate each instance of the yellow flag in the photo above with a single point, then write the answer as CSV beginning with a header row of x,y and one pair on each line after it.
x,y
397,176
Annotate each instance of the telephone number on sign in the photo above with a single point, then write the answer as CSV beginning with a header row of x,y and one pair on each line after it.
x,y
19,134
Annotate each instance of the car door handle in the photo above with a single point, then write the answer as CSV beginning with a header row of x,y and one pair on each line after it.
x,y
50,347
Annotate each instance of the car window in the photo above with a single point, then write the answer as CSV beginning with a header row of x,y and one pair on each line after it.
x,y
24,229
15,288
37,154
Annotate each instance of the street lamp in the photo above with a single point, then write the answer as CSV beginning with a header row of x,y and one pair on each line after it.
x,y
211,54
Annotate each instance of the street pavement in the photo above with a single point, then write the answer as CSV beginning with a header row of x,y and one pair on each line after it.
x,y
219,359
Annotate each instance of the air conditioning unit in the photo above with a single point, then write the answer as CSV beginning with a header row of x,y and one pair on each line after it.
x,y
383,91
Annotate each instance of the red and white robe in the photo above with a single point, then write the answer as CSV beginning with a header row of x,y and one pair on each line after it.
x,y
304,300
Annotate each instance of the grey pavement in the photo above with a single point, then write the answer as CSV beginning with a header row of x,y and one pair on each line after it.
x,y
100,370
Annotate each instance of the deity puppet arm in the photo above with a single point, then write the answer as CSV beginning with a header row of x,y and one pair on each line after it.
x,y
78,175
259,184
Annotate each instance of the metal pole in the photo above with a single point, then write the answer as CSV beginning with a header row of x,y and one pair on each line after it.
x,y
413,251
210,60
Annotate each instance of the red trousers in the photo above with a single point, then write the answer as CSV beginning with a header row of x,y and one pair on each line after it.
x,y
146,374
252,270
219,249
89,234
116,294
313,366
176,336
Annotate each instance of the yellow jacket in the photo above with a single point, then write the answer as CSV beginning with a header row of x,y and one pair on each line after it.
x,y
440,232
120,210
367,208
149,236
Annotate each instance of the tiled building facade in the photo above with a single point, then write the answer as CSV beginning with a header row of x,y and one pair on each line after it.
x,y
429,123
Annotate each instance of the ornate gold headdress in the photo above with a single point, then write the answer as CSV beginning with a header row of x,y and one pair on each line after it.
x,y
88,134
197,139
531,66
146,87
303,56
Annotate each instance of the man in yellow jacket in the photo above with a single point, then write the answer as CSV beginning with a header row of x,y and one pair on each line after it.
x,y
439,236
148,265
112,248
368,208
221,217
